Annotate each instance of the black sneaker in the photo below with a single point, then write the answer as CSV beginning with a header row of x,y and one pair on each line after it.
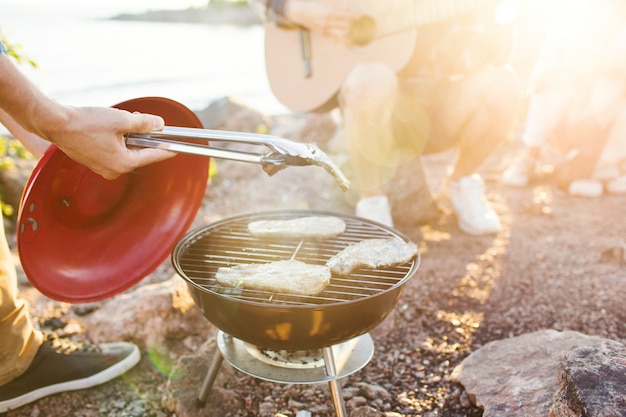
x,y
61,365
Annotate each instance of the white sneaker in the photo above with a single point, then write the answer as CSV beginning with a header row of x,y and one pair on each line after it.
x,y
585,188
474,214
520,172
617,185
375,208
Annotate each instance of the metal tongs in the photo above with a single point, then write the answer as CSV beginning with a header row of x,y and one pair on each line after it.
x,y
279,154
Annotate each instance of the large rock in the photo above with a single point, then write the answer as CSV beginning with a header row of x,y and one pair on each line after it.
x,y
593,382
517,377
409,192
228,113
411,197
183,385
317,128
150,315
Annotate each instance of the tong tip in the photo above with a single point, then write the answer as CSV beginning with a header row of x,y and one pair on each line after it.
x,y
308,155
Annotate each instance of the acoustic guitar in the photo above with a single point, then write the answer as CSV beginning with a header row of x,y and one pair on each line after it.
x,y
306,69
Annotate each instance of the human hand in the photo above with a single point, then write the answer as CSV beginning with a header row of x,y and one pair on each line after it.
x,y
333,21
94,137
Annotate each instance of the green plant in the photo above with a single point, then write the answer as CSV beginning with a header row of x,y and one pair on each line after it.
x,y
10,148
14,50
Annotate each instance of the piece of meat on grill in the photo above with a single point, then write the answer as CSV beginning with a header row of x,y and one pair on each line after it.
x,y
314,227
372,253
289,276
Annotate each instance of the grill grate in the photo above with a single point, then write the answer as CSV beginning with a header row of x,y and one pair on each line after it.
x,y
227,243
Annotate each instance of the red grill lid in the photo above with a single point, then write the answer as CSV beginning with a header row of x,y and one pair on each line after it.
x,y
82,238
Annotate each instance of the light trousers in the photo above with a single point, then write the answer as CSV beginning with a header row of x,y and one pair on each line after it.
x,y
19,340
605,104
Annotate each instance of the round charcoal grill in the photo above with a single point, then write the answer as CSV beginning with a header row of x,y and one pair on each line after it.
x,y
349,307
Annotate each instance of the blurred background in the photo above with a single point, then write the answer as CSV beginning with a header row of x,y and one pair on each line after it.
x,y
85,57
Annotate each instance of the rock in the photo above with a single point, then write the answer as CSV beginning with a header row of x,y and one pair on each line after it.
x,y
366,412
183,386
592,382
13,178
149,315
267,408
355,402
409,193
517,377
227,113
615,254
373,391
410,196
317,128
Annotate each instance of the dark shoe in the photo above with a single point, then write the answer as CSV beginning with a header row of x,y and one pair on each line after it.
x,y
61,365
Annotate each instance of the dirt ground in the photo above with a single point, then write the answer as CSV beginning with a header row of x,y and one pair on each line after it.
x,y
558,263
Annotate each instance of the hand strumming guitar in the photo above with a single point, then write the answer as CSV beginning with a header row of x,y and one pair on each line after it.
x,y
333,21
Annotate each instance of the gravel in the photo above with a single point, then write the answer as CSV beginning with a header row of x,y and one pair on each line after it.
x,y
558,263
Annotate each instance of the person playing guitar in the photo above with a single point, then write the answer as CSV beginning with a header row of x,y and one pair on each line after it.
x,y
411,77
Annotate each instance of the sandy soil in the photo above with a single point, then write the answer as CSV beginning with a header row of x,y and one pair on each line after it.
x,y
558,264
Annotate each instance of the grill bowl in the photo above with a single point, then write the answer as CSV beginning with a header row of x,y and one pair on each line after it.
x,y
347,308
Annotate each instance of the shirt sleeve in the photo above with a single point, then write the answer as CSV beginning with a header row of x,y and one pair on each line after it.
x,y
3,50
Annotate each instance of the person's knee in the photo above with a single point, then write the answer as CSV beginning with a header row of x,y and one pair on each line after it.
x,y
370,88
503,91
496,94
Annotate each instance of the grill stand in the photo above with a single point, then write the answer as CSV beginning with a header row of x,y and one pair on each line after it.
x,y
338,362
335,387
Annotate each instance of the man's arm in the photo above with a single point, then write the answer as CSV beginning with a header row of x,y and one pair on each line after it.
x,y
330,20
92,136
33,143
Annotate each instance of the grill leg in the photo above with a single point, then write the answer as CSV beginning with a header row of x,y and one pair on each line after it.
x,y
209,379
335,386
